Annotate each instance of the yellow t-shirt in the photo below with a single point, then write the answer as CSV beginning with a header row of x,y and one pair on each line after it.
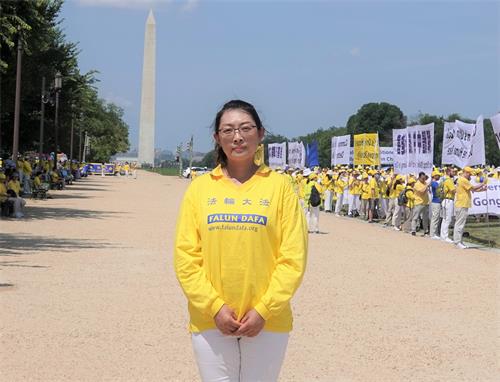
x,y
375,187
244,246
421,194
37,182
396,191
383,189
339,186
449,188
411,197
365,191
463,197
3,192
15,186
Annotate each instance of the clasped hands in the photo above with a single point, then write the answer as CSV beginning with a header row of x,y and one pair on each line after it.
x,y
249,326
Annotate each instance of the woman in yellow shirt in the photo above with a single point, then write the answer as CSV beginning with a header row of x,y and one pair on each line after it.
x,y
240,255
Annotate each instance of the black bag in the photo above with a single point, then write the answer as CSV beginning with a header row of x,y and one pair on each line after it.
x,y
315,197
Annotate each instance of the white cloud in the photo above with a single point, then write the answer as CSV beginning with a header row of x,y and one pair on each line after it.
x,y
140,4
355,52
190,5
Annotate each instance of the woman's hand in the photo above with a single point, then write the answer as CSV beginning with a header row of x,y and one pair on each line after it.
x,y
226,320
251,324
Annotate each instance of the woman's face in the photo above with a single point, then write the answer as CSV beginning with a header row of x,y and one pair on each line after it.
x,y
238,135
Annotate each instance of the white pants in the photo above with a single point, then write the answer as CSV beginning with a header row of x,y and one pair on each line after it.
x,y
239,359
391,210
435,216
353,203
313,218
328,200
340,200
448,207
460,220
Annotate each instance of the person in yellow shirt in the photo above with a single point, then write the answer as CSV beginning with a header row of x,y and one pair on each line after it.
x,y
448,202
408,207
421,204
354,186
374,195
463,201
240,255
14,192
397,187
340,186
5,204
327,184
365,197
383,200
312,215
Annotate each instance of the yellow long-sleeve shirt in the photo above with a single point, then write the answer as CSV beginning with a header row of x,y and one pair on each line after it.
x,y
244,246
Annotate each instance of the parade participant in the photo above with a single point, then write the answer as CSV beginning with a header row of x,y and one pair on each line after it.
x,y
463,202
397,188
374,195
409,204
340,185
311,202
328,187
435,206
392,200
5,204
447,191
354,194
240,254
365,197
384,196
421,204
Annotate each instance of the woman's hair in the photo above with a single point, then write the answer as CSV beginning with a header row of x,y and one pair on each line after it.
x,y
220,155
396,182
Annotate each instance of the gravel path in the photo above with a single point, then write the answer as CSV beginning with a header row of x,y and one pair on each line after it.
x,y
88,293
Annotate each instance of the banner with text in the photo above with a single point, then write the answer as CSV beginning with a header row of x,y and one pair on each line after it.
x,y
495,122
366,150
340,150
487,202
276,154
296,154
413,149
386,156
457,143
477,155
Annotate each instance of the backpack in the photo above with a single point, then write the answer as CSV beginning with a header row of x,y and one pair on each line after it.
x,y
314,198
402,198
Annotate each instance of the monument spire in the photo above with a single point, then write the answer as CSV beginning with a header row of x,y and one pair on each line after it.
x,y
147,119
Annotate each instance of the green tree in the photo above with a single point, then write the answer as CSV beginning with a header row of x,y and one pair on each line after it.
x,y
377,117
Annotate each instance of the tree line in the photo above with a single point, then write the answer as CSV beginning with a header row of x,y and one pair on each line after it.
x,y
36,25
380,117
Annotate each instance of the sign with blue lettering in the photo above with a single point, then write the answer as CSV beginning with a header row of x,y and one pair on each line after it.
x,y
237,218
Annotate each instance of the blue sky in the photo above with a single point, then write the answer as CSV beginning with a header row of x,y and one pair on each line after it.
x,y
303,64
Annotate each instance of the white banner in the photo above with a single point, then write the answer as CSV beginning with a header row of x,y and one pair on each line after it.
x,y
277,154
413,149
457,143
340,150
495,122
477,155
487,201
386,155
296,154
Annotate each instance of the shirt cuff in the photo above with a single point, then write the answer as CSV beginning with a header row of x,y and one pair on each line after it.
x,y
263,311
216,306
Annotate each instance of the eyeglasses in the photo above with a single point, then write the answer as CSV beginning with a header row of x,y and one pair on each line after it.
x,y
230,131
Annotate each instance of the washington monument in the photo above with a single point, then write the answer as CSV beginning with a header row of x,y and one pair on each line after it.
x,y
147,118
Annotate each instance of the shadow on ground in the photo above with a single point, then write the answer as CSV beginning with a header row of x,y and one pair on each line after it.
x,y
11,245
37,212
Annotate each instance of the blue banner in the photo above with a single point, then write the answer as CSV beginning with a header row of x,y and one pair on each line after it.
x,y
312,158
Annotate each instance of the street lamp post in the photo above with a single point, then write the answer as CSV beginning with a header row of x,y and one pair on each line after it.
x,y
17,107
57,89
42,117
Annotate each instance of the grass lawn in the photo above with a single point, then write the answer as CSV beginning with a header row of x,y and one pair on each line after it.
x,y
165,171
481,232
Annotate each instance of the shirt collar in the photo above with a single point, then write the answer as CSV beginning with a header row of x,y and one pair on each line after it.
x,y
217,172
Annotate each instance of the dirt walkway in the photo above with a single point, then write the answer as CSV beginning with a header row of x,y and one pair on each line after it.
x,y
88,293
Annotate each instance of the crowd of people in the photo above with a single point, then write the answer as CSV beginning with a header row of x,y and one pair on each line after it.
x,y
31,176
409,203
